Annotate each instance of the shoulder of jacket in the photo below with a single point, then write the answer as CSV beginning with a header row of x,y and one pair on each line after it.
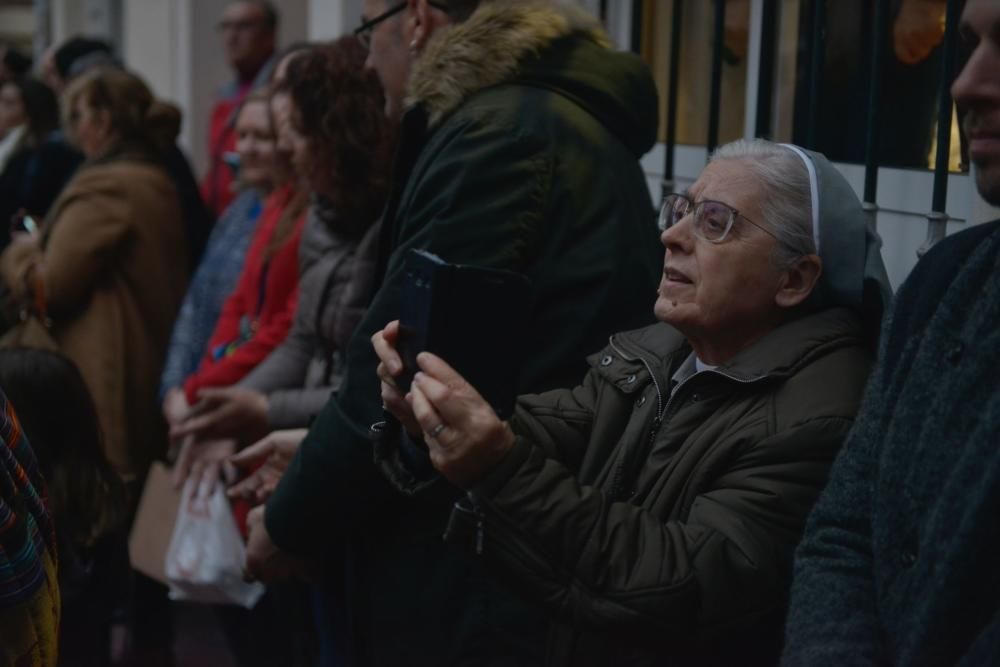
x,y
924,289
948,256
630,356
656,340
120,175
496,115
829,386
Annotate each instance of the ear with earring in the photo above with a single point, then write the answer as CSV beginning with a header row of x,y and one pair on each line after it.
x,y
413,48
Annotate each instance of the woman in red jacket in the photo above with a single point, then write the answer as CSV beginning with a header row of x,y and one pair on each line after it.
x,y
258,314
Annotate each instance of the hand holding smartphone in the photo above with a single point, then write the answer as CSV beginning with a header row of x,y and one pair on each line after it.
x,y
472,317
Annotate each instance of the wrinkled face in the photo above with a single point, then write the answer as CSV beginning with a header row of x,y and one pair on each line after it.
x,y
713,290
89,127
389,55
255,144
281,118
246,38
11,108
977,90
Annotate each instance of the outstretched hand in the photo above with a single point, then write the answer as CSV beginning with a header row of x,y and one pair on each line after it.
x,y
465,437
225,412
204,461
272,455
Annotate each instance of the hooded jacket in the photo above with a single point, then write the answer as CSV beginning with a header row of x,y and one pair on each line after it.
x,y
520,151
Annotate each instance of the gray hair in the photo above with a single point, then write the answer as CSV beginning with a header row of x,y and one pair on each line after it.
x,y
786,201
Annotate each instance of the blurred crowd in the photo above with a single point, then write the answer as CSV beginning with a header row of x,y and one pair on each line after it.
x,y
731,444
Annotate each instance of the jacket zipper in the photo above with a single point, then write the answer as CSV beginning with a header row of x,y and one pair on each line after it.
x,y
619,479
480,523
618,483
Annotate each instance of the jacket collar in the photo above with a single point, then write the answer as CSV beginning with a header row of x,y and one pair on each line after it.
x,y
489,48
779,354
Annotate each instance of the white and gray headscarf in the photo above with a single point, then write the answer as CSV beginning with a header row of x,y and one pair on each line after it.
x,y
854,274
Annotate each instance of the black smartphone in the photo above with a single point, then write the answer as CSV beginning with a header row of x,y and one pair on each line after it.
x,y
472,317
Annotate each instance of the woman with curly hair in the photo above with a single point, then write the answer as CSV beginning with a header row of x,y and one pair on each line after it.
x,y
341,144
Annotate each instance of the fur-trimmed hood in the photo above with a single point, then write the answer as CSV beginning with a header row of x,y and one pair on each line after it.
x,y
507,40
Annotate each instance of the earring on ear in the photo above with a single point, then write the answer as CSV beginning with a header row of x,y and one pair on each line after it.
x,y
413,47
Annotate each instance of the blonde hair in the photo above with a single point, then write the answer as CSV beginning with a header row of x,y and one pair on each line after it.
x,y
136,117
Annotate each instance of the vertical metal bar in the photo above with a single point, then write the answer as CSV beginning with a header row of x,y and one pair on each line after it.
x,y
715,100
765,77
673,83
637,7
879,34
816,69
43,29
937,219
755,26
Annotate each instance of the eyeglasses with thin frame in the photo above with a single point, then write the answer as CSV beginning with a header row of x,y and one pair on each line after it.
x,y
712,220
364,31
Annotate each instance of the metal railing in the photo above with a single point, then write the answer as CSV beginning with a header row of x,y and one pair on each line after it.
x,y
937,218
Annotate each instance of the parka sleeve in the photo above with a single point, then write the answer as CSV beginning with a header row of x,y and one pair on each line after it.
x,y
558,420
596,561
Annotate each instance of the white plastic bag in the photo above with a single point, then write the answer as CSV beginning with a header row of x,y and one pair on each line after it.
x,y
206,554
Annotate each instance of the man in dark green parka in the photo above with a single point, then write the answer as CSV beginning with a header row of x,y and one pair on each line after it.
x,y
519,150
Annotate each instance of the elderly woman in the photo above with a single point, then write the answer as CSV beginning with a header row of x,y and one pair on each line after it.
x,y
110,261
653,510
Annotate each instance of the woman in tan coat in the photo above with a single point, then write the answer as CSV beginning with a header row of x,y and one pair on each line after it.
x,y
110,261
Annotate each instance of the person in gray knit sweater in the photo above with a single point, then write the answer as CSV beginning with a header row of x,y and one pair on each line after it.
x,y
899,564
345,165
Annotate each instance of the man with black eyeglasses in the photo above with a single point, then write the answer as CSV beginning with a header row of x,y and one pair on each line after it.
x,y
521,133
248,29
